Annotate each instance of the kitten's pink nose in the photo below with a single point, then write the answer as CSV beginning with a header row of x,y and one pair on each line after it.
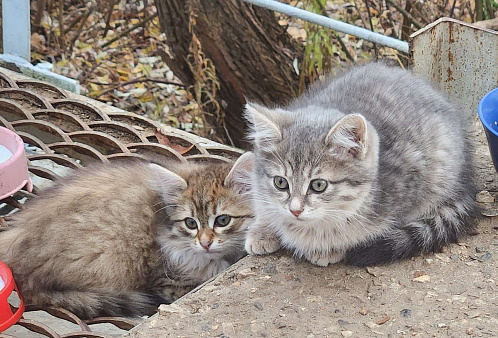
x,y
206,244
296,212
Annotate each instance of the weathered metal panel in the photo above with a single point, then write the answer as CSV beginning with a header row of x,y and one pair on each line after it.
x,y
461,59
16,28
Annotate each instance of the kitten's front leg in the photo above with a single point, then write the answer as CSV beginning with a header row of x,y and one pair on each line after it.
x,y
261,240
324,259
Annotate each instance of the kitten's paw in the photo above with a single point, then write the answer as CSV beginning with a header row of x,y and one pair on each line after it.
x,y
256,244
324,259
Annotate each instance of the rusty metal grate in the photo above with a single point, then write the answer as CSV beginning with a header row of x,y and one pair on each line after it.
x,y
69,131
83,326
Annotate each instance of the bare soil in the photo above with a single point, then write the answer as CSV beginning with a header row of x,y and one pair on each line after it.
x,y
450,294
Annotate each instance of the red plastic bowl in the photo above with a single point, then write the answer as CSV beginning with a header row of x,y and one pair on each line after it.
x,y
7,317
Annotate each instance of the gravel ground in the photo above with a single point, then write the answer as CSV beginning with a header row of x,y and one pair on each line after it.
x,y
450,294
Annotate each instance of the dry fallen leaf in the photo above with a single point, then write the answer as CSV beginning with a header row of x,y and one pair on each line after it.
x,y
418,273
163,139
78,52
373,271
422,279
383,320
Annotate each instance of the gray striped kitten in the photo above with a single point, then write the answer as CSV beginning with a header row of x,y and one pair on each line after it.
x,y
370,167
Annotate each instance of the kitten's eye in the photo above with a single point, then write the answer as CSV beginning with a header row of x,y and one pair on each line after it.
x,y
222,221
191,223
318,185
281,183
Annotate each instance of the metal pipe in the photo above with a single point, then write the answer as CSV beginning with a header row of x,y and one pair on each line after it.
x,y
331,23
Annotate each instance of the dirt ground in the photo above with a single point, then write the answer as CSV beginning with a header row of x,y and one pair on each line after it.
x,y
451,294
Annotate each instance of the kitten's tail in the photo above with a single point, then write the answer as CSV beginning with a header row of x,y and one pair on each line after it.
x,y
91,304
427,235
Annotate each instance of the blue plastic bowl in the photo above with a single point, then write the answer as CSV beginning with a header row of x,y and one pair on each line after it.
x,y
488,113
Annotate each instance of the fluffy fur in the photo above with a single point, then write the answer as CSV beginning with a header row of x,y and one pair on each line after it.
x,y
111,240
393,153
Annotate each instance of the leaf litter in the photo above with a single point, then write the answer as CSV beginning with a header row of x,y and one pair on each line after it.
x,y
115,48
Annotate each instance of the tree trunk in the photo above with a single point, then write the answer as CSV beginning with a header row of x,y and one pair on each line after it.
x,y
252,54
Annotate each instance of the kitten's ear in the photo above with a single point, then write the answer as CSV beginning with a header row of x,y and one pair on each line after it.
x,y
347,139
166,182
239,176
263,124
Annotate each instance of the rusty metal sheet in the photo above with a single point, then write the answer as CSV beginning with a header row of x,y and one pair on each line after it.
x,y
459,58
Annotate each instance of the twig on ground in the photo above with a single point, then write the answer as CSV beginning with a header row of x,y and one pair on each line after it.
x,y
73,23
471,14
80,29
108,18
405,13
129,30
489,9
359,13
391,21
452,11
322,8
39,14
479,10
337,36
62,43
371,28
418,11
344,47
406,26
88,73
139,80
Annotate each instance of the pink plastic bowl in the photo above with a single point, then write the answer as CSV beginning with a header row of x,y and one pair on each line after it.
x,y
13,172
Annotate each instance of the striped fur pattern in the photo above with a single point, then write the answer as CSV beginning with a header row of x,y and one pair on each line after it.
x,y
393,157
106,241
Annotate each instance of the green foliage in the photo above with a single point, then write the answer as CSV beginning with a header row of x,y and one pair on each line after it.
x,y
320,50
489,8
485,9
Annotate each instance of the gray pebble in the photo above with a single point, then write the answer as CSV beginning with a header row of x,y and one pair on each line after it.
x,y
215,306
484,257
455,257
342,322
480,326
206,328
480,249
258,306
406,313
270,268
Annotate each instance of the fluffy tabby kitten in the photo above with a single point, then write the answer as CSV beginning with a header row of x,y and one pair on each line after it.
x,y
117,239
370,167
